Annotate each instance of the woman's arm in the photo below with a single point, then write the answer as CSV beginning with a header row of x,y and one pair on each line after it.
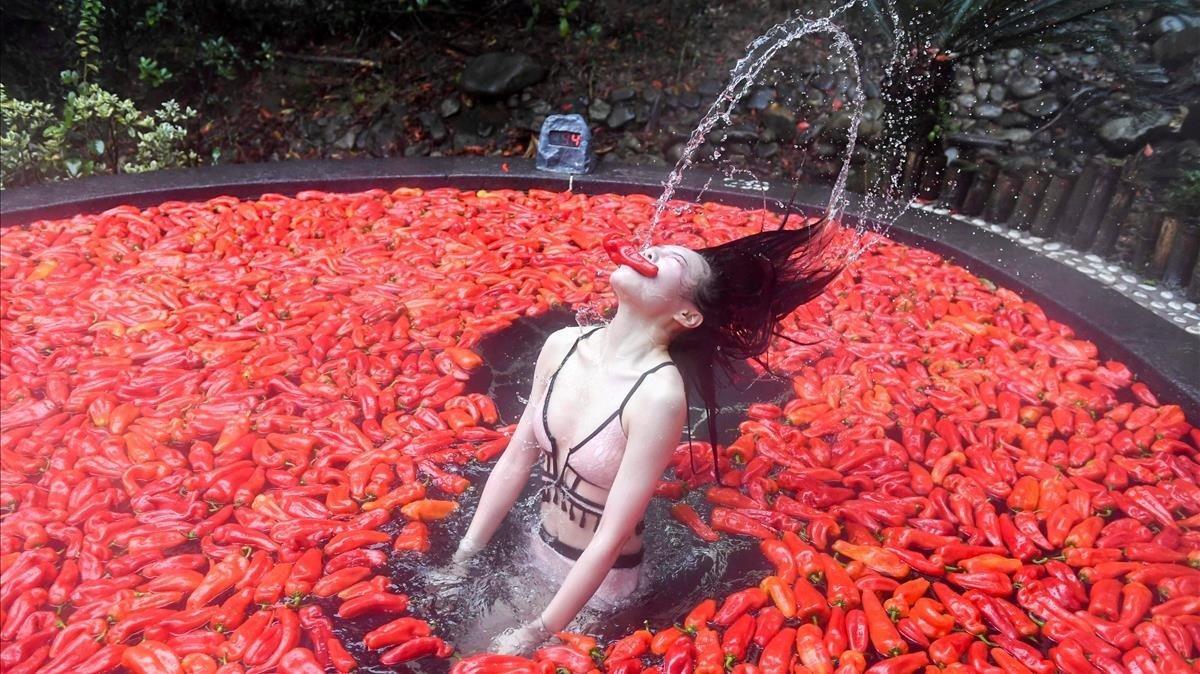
x,y
511,472
654,427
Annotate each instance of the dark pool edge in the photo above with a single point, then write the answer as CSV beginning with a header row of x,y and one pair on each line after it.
x,y
1166,357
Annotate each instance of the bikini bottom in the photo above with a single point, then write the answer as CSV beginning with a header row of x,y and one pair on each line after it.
x,y
555,559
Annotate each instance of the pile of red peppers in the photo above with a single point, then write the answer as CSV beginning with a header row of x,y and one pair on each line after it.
x,y
210,411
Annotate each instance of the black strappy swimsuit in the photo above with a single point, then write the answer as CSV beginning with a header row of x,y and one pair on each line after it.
x,y
568,498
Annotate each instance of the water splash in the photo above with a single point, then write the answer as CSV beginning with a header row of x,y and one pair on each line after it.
x,y
745,72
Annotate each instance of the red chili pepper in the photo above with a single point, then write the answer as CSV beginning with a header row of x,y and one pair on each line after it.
x,y
417,648
901,664
738,603
664,638
767,623
621,252
700,614
151,657
776,656
884,637
737,637
731,521
395,632
810,647
630,646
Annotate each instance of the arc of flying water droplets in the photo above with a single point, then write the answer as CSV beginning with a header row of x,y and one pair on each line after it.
x,y
760,52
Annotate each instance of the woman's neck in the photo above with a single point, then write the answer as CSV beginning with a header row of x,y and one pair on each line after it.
x,y
633,338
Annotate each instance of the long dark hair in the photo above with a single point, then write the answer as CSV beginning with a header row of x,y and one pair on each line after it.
x,y
755,281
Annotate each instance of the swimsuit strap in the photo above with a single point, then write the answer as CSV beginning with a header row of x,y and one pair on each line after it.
x,y
550,390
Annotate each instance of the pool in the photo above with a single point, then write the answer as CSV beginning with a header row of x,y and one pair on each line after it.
x,y
145,343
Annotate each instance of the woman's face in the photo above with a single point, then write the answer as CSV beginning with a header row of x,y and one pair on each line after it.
x,y
680,270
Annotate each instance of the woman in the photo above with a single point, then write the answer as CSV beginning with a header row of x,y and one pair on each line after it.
x,y
608,404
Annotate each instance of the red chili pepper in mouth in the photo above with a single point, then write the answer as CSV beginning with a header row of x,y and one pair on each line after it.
x,y
621,251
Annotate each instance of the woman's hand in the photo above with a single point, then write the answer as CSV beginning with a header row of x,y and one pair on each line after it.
x,y
522,639
467,549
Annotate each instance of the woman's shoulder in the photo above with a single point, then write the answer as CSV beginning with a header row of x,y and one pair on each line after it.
x,y
562,338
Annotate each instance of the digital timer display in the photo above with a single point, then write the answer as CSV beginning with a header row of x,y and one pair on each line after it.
x,y
564,145
566,138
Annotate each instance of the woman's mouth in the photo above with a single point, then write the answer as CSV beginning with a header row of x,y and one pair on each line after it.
x,y
621,251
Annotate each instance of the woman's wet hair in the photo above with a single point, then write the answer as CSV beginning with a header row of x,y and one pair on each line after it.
x,y
753,283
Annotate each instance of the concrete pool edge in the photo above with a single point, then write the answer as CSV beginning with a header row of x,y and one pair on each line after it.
x,y
1165,356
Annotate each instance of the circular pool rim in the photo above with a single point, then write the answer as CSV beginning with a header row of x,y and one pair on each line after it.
x,y
1165,356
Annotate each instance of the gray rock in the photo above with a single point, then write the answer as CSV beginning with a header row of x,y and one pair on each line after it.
x,y
980,71
780,120
760,98
675,152
870,128
873,109
599,110
738,147
622,94
1015,135
826,149
1128,132
966,101
689,100
621,115
464,140
449,107
824,82
1168,24
500,73
709,87
1012,118
766,150
1177,47
1041,106
999,71
541,107
434,124
983,90
1025,86
814,97
513,101
346,142
988,111
1014,56
998,93
417,149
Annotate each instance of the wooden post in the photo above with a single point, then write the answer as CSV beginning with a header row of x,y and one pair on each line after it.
x,y
1099,200
982,186
1030,197
1193,293
954,184
912,171
931,175
1116,213
1063,227
1053,202
1182,255
1003,198
1147,233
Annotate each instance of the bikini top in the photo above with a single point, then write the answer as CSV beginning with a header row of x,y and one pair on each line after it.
x,y
594,460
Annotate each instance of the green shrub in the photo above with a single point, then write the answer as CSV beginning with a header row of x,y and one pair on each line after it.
x,y
1184,196
95,131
